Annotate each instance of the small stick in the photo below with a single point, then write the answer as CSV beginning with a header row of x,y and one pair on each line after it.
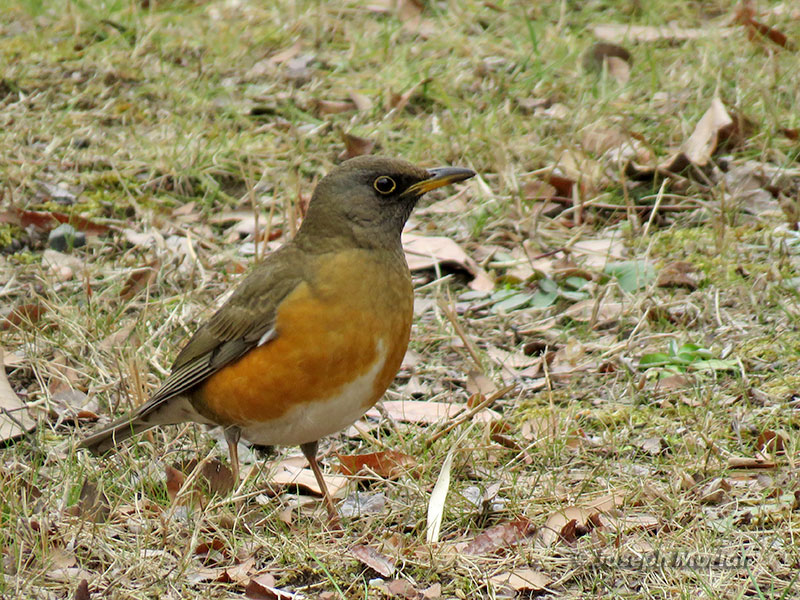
x,y
470,413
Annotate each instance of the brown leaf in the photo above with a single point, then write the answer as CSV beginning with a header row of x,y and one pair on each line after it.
x,y
426,252
355,146
745,15
14,418
390,464
138,280
398,102
771,441
334,107
24,314
263,588
362,102
214,478
376,561
428,413
621,33
478,383
402,589
746,462
677,274
522,580
286,474
50,220
93,505
703,142
614,58
500,537
82,591
563,524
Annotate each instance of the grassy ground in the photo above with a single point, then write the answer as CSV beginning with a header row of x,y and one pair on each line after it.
x,y
160,119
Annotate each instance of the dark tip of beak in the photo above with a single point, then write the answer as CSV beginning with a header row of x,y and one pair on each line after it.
x,y
439,177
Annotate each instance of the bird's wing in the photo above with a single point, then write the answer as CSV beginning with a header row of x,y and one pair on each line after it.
x,y
245,321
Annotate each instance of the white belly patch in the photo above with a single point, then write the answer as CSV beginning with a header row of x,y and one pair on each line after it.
x,y
315,420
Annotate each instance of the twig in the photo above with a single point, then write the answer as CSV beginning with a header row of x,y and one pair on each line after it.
x,y
451,316
471,413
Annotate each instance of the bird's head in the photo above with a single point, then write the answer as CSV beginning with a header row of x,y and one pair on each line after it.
x,y
367,200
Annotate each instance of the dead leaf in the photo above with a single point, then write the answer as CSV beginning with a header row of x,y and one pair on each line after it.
x,y
334,107
614,58
677,274
24,314
602,313
263,588
389,464
746,462
93,505
771,441
562,524
376,561
362,102
703,142
500,537
286,474
50,220
138,280
714,492
745,15
714,127
426,252
437,500
355,146
620,33
14,418
401,588
428,413
522,580
82,591
398,102
478,383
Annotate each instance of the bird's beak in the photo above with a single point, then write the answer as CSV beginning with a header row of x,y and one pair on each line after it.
x,y
439,177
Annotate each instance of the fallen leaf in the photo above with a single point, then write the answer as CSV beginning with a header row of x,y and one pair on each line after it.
x,y
613,57
746,16
522,580
362,102
389,464
428,413
376,561
703,142
500,537
620,33
746,462
426,252
93,504
14,418
437,500
138,280
401,588
286,474
562,524
334,107
771,441
263,588
82,591
24,314
677,274
355,146
50,220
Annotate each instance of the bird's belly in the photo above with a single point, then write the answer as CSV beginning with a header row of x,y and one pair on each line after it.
x,y
310,421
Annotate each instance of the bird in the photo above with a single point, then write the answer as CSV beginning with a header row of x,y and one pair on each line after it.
x,y
313,336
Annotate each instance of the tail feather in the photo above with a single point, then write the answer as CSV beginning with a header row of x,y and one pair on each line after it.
x,y
169,411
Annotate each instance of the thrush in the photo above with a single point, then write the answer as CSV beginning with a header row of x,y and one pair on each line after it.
x,y
314,335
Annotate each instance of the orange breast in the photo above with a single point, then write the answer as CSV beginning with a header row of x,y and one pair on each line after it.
x,y
357,311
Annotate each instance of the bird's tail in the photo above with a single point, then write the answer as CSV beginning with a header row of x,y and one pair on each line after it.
x,y
168,411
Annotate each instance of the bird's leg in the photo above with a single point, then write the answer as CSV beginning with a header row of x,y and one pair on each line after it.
x,y
310,452
232,435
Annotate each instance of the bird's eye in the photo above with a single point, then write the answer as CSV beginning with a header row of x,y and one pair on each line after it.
x,y
385,185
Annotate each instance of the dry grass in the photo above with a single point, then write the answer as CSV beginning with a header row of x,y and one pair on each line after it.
x,y
158,119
